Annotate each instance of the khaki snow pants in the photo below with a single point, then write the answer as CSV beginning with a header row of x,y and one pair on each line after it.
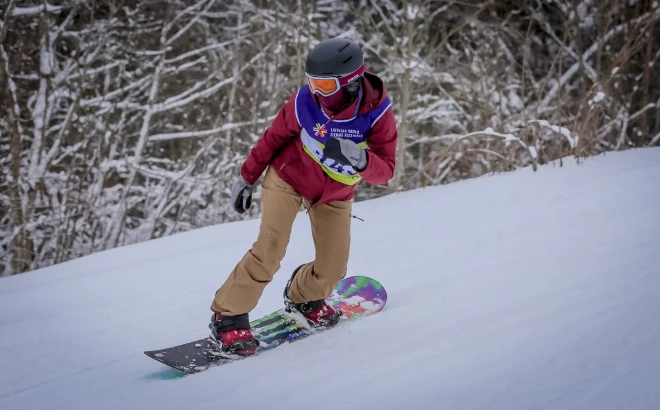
x,y
315,280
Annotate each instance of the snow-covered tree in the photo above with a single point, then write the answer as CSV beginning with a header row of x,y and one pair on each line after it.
x,y
125,121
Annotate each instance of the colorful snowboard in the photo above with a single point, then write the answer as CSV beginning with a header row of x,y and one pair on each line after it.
x,y
355,297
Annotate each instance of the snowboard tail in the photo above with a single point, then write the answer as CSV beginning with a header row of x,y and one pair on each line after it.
x,y
355,297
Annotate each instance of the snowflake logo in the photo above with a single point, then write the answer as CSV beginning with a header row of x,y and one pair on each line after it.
x,y
320,130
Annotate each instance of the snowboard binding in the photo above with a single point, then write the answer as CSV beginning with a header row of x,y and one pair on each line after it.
x,y
232,335
317,313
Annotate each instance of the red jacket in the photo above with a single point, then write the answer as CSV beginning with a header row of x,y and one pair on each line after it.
x,y
281,147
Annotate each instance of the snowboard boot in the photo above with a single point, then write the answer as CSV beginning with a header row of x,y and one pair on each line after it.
x,y
319,313
233,334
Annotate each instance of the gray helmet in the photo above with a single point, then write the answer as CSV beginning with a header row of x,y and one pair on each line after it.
x,y
334,57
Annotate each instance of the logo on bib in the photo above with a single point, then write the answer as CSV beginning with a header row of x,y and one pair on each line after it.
x,y
320,130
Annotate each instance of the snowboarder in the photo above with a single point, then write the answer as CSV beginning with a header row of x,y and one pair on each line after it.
x,y
333,132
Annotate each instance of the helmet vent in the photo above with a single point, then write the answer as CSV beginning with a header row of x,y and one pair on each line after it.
x,y
348,59
345,45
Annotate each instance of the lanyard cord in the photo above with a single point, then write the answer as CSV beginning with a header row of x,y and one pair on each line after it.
x,y
330,118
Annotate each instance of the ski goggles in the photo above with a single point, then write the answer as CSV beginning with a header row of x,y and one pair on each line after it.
x,y
326,86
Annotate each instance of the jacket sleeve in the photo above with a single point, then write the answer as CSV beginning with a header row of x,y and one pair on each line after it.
x,y
283,130
381,155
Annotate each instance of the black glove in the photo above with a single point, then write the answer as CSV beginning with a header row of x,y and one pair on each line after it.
x,y
346,152
241,195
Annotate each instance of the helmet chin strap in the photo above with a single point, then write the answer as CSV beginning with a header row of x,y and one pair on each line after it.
x,y
353,88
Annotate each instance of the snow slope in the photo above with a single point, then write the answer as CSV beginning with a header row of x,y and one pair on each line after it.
x,y
517,291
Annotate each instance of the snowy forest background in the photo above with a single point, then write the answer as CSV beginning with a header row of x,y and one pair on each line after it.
x,y
122,121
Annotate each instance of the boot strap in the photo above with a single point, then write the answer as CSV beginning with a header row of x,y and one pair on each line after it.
x,y
227,323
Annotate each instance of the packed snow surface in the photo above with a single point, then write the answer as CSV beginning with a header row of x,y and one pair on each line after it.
x,y
516,291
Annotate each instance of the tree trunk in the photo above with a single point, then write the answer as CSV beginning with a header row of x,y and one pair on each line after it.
x,y
403,128
646,84
21,243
